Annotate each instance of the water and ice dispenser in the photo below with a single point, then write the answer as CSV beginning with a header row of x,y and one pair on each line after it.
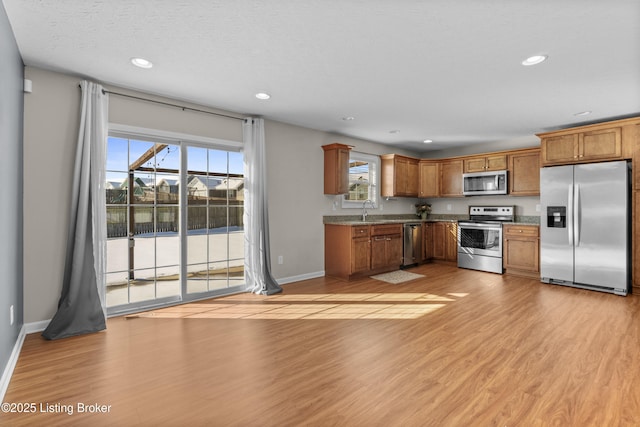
x,y
556,216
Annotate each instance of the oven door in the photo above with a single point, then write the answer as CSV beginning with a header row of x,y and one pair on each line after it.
x,y
477,238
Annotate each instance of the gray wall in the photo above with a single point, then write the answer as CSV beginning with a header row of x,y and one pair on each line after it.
x,y
294,167
11,110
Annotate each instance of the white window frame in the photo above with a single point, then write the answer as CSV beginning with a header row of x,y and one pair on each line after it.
x,y
374,179
183,141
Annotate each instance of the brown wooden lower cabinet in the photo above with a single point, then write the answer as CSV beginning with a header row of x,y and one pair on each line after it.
x,y
361,250
445,241
386,246
521,250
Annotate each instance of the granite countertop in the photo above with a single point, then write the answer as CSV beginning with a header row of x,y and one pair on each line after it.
x,y
403,219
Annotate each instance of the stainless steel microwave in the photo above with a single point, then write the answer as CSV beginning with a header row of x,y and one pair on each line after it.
x,y
484,183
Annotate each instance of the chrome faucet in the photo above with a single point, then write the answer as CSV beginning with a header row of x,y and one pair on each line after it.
x,y
364,209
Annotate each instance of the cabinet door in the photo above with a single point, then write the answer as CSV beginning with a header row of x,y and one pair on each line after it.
x,y
451,242
336,168
451,178
429,178
343,171
427,241
360,254
394,250
522,254
601,145
474,164
439,240
401,176
412,178
560,149
524,169
378,252
496,162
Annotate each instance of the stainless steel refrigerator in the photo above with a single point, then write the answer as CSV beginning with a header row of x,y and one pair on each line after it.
x,y
585,226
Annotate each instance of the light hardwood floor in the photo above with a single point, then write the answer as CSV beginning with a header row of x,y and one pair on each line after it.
x,y
456,348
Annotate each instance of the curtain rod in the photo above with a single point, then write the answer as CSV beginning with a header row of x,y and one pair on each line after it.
x,y
104,91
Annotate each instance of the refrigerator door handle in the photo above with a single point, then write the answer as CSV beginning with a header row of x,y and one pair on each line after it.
x,y
576,220
570,215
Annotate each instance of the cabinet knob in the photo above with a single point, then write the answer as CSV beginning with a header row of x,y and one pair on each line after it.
x,y
519,231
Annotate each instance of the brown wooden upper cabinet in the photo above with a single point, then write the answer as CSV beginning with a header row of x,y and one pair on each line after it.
x,y
336,168
399,176
487,163
524,173
428,178
588,146
451,178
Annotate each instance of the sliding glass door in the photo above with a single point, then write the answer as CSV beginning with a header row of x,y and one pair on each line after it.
x,y
215,239
174,222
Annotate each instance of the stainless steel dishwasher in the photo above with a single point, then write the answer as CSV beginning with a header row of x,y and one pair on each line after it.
x,y
412,247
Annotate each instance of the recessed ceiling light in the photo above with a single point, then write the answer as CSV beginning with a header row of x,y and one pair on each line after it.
x,y
262,95
348,118
583,113
141,62
535,59
428,141
394,131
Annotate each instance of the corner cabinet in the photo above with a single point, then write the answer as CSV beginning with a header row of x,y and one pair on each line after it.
x,y
427,241
336,168
399,176
445,241
522,250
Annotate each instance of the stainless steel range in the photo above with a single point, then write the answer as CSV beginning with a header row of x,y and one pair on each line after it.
x,y
480,238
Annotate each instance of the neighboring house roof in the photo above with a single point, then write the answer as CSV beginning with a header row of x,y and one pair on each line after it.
x,y
113,185
169,182
139,182
231,184
203,182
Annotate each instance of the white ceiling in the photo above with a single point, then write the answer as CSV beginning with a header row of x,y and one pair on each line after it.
x,y
445,70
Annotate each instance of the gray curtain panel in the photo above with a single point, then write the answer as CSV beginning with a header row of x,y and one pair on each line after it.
x,y
256,218
80,309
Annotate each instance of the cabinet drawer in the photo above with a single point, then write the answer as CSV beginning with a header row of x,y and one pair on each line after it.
x,y
521,230
384,229
360,231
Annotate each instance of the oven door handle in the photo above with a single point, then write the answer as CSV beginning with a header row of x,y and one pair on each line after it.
x,y
475,226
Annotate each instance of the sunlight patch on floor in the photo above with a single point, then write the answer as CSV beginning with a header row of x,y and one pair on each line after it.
x,y
309,306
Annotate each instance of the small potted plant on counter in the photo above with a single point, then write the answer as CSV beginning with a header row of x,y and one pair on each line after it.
x,y
422,210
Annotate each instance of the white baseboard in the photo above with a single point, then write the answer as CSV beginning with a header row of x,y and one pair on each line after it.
x,y
33,327
11,364
27,328
301,277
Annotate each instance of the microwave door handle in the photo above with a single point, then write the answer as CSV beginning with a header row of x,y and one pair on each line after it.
x,y
497,183
576,220
570,215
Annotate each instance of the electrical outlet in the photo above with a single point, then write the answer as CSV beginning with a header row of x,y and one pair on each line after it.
x,y
537,208
449,206
280,259
11,315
